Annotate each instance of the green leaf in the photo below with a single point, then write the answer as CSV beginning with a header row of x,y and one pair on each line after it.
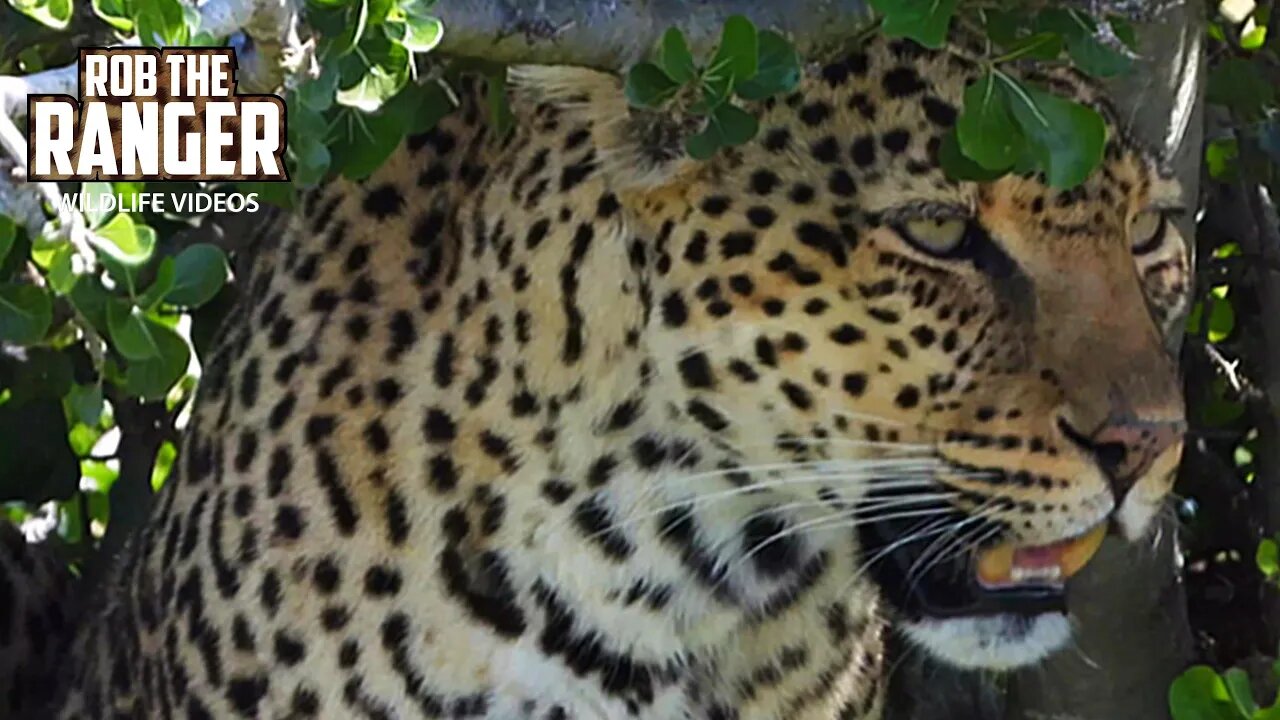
x,y
675,59
129,244
26,311
85,402
306,121
717,86
728,125
1220,157
1200,694
648,86
424,107
379,79
925,21
421,34
738,54
735,125
1237,682
115,13
1087,52
60,267
1003,26
379,11
200,271
1065,137
986,130
164,465
1253,38
310,162
152,378
1268,557
1228,249
50,13
132,332
1097,59
205,39
90,297
1222,320
1240,85
347,28
1242,456
82,437
500,114
316,94
8,232
779,70
365,142
307,154
958,166
163,281
161,23
1041,46
704,144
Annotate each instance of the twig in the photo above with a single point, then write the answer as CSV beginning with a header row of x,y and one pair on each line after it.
x,y
1229,368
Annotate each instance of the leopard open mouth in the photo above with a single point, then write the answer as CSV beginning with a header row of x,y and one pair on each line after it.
x,y
930,569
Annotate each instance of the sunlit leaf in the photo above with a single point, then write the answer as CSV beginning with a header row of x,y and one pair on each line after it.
x,y
50,13
1200,694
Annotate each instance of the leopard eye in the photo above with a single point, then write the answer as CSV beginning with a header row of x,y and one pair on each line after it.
x,y
1147,231
937,236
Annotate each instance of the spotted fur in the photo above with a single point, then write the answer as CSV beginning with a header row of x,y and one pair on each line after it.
x,y
35,621
564,424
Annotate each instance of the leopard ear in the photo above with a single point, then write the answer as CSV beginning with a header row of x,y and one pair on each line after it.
x,y
637,149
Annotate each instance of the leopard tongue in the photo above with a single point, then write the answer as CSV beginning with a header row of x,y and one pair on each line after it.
x,y
1007,565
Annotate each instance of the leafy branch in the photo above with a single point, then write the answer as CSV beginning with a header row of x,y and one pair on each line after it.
x,y
748,64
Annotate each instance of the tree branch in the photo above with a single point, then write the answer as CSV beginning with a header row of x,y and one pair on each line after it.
x,y
615,33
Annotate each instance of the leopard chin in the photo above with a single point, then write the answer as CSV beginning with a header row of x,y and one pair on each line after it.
x,y
994,642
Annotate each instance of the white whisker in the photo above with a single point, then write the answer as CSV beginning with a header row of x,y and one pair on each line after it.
x,y
840,520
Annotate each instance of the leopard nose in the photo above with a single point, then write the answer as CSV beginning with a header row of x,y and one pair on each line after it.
x,y
1125,447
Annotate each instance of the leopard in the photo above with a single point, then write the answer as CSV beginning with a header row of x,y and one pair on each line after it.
x,y
554,420
37,619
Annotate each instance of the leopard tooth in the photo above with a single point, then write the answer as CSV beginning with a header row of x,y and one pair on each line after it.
x,y
1051,573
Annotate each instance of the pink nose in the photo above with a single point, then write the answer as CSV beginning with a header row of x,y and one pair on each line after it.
x,y
1125,447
